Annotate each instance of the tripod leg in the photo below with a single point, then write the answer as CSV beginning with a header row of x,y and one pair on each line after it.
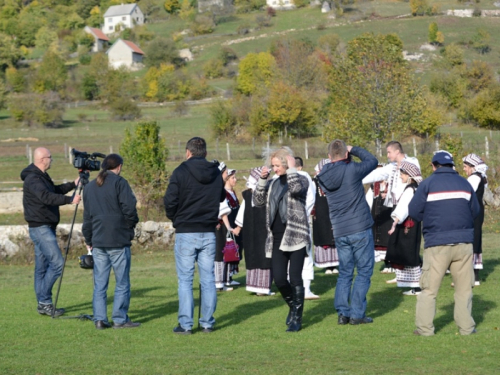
x,y
66,255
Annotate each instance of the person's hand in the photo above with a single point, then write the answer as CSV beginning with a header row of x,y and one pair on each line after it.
x,y
236,231
76,199
290,161
77,180
89,248
349,148
218,226
265,172
393,228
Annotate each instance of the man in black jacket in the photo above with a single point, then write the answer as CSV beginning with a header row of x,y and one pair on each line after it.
x,y
192,203
41,201
109,219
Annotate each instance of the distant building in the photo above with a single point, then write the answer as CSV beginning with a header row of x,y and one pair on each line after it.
x,y
125,53
101,41
118,17
281,4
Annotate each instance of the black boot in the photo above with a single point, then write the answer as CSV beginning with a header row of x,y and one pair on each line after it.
x,y
287,294
298,308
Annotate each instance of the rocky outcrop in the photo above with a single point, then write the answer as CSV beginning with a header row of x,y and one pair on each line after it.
x,y
13,238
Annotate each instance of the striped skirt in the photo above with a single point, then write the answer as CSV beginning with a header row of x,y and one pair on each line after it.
x,y
324,258
259,281
409,277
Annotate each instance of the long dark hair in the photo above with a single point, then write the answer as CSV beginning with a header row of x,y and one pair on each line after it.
x,y
110,162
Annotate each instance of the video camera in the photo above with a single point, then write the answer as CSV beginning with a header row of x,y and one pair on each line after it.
x,y
85,161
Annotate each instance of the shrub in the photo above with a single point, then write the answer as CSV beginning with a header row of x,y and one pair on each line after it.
x,y
263,21
213,68
203,25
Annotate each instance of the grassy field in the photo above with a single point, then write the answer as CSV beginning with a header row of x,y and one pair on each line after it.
x,y
250,335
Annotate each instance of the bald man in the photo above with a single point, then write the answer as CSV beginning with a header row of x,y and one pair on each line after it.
x,y
41,201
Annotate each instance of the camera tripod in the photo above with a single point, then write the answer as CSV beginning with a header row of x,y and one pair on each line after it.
x,y
82,181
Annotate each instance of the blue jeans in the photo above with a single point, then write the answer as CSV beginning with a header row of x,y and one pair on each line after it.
x,y
120,259
191,248
355,250
48,262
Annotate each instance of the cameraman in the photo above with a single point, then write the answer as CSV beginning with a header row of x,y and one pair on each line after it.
x,y
41,201
109,219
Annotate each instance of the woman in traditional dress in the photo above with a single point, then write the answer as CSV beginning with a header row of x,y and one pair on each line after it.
x,y
475,168
403,251
253,218
287,228
325,253
227,214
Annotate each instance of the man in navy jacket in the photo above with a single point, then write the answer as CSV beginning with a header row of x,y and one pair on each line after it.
x,y
341,181
447,205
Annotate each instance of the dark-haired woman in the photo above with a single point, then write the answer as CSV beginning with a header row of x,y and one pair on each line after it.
x,y
109,219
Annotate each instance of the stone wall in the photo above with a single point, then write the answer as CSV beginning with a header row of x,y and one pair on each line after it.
x,y
13,238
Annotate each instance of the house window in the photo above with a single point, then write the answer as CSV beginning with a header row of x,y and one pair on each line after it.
x,y
110,20
137,19
124,18
111,28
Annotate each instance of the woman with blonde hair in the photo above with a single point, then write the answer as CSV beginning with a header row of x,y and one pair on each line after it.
x,y
287,229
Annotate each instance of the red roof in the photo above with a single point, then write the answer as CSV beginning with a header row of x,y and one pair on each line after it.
x,y
99,34
133,47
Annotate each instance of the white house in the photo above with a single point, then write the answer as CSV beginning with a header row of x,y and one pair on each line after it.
x,y
122,16
125,53
101,41
281,4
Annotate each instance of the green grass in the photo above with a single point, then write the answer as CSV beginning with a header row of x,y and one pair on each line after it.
x,y
250,337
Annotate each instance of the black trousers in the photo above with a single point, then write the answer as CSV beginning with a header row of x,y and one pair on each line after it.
x,y
287,262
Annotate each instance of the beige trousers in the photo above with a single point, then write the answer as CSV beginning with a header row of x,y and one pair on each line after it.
x,y
437,259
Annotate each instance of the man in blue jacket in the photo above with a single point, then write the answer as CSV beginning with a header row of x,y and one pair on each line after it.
x,y
341,181
192,203
447,205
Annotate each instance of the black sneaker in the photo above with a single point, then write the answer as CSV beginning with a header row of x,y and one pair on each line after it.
x,y
46,309
181,331
129,324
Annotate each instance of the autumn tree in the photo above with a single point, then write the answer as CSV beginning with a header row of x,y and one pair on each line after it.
x,y
372,93
51,75
256,70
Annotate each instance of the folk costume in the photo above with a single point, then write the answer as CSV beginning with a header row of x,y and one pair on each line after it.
x,y
225,270
403,250
479,181
253,218
325,253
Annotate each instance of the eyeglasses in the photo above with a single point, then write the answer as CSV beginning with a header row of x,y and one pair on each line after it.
x,y
47,157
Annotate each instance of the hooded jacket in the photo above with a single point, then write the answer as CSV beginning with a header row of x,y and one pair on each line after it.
x,y
110,214
193,196
341,182
447,205
41,198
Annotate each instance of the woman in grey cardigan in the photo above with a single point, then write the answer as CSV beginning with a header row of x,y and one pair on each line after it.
x,y
287,229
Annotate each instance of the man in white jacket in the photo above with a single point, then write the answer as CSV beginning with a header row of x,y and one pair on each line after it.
x,y
391,174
